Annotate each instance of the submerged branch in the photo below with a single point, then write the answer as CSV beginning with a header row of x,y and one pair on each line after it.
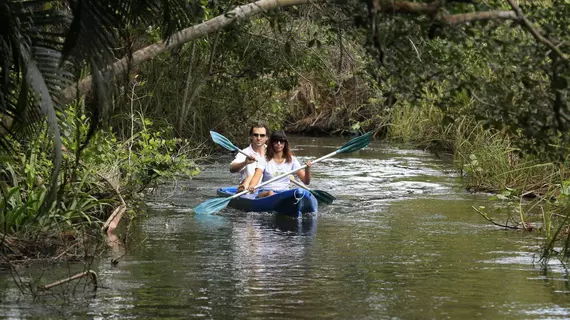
x,y
492,221
90,273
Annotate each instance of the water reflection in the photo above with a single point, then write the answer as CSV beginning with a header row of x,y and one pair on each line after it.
x,y
304,226
257,263
401,242
210,221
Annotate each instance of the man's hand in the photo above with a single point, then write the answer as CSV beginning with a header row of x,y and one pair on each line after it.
x,y
249,160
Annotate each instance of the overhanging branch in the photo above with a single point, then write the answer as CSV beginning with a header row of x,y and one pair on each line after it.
x,y
534,31
433,9
476,16
417,8
180,38
430,9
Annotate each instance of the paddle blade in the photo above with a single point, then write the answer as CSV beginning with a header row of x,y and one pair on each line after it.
x,y
356,143
212,206
323,196
223,141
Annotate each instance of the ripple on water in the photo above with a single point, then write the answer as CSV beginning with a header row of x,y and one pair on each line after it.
x,y
401,241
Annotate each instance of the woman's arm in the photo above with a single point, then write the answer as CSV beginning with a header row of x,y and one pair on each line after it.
x,y
255,180
305,175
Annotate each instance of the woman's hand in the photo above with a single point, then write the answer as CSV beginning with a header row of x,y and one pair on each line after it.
x,y
251,188
306,175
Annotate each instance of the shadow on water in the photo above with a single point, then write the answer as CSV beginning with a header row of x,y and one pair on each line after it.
x,y
304,226
281,224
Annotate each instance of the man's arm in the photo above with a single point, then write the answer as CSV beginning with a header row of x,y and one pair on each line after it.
x,y
240,162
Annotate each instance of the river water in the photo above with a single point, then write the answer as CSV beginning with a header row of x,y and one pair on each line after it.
x,y
401,242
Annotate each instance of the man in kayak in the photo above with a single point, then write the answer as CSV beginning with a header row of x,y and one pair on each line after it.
x,y
278,160
258,134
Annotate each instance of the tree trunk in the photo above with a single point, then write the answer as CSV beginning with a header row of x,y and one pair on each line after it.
x,y
181,112
182,37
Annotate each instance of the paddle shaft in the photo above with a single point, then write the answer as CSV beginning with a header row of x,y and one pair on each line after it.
x,y
245,154
299,184
284,174
215,205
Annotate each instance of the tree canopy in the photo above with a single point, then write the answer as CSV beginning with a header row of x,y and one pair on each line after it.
x,y
506,60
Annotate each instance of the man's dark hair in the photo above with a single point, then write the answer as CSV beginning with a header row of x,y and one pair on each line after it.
x,y
260,125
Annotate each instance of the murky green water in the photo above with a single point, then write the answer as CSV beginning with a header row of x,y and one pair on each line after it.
x,y
401,242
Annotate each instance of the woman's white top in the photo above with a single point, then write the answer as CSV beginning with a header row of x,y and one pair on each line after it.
x,y
273,169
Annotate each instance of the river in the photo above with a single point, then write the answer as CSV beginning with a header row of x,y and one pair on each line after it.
x,y
401,241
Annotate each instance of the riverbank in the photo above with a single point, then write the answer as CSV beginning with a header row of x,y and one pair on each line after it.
x,y
94,193
401,217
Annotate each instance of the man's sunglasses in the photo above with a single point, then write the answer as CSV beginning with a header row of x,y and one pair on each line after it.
x,y
259,135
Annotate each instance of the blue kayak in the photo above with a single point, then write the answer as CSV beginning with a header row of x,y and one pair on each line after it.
x,y
292,202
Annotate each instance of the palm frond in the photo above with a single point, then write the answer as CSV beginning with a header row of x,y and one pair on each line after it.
x,y
35,77
43,44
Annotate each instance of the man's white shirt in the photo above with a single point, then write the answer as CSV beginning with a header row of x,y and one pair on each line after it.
x,y
250,168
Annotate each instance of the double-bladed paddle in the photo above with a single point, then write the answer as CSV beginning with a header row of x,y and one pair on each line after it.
x,y
217,204
225,142
322,196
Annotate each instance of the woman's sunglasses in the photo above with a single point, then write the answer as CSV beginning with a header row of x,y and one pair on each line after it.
x,y
279,141
258,135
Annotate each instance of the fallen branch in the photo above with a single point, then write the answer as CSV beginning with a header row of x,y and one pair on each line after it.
x,y
114,219
65,251
115,261
90,273
493,222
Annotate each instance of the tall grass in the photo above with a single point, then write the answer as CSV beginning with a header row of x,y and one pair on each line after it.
x,y
537,191
420,125
489,161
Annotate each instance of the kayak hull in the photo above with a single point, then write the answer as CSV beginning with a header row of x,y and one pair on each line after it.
x,y
292,202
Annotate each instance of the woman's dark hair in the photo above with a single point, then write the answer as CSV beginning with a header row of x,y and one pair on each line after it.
x,y
279,135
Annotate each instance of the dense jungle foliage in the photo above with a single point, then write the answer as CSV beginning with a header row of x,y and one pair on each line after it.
x,y
484,80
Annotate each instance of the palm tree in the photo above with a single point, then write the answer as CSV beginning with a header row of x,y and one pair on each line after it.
x,y
45,45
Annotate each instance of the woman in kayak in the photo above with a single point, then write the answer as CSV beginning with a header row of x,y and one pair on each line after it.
x,y
278,160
